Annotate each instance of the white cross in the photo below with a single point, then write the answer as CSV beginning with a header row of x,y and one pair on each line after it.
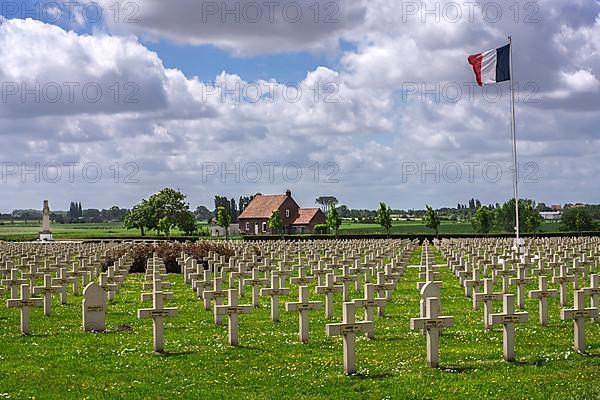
x,y
579,314
521,281
46,291
369,303
345,280
486,297
563,279
24,303
13,283
594,291
508,318
158,312
62,280
274,292
543,293
432,324
232,310
348,330
218,294
303,307
328,290
256,282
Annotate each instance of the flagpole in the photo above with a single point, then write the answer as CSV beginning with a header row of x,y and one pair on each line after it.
x,y
513,131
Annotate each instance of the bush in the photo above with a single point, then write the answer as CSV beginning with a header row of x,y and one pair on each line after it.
x,y
169,252
321,229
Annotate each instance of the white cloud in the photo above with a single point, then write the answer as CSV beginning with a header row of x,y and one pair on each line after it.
x,y
369,130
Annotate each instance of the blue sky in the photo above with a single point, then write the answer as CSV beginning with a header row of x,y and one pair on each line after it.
x,y
360,128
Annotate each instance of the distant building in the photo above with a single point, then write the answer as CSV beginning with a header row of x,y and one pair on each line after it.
x,y
551,215
556,207
219,231
255,218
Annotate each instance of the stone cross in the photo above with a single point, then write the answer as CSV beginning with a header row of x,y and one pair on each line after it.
x,y
256,282
430,289
62,280
93,308
303,307
579,314
158,312
345,279
13,283
384,289
200,285
543,293
521,281
24,303
348,330
508,318
75,273
505,273
218,294
46,291
328,290
109,288
233,310
369,303
432,324
474,283
594,292
274,292
486,297
302,279
562,280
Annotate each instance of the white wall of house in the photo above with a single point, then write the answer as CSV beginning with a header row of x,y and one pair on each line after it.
x,y
217,231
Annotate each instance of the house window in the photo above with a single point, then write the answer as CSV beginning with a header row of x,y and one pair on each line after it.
x,y
247,226
264,226
287,213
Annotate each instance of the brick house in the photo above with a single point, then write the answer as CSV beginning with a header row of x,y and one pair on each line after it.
x,y
255,218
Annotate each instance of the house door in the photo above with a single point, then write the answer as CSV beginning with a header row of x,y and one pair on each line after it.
x,y
256,231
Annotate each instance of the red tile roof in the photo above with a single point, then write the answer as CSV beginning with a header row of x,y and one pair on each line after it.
x,y
305,215
262,206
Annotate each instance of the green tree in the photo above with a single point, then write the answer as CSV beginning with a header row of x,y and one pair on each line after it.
x,y
276,223
168,206
505,214
384,217
576,219
138,217
188,224
165,225
161,212
432,219
325,201
483,220
333,219
224,220
533,219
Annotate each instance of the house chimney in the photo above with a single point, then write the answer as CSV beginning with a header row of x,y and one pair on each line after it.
x,y
288,193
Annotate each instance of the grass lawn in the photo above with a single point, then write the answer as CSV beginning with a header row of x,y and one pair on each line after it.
x,y
61,362
417,227
29,231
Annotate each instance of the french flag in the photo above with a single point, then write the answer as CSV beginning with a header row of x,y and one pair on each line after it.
x,y
492,66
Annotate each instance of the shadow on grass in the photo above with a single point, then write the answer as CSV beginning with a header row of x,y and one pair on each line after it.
x,y
168,354
362,375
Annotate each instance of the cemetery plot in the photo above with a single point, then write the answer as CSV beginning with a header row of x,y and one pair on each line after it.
x,y
384,358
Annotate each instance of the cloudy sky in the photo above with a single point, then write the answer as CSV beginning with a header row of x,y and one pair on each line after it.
x,y
108,102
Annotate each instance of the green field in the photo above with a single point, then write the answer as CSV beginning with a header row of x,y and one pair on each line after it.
x,y
29,230
417,227
59,361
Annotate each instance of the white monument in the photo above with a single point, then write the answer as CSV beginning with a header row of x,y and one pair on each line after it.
x,y
45,234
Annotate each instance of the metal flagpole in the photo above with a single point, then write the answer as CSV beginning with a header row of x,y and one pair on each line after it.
x,y
513,131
